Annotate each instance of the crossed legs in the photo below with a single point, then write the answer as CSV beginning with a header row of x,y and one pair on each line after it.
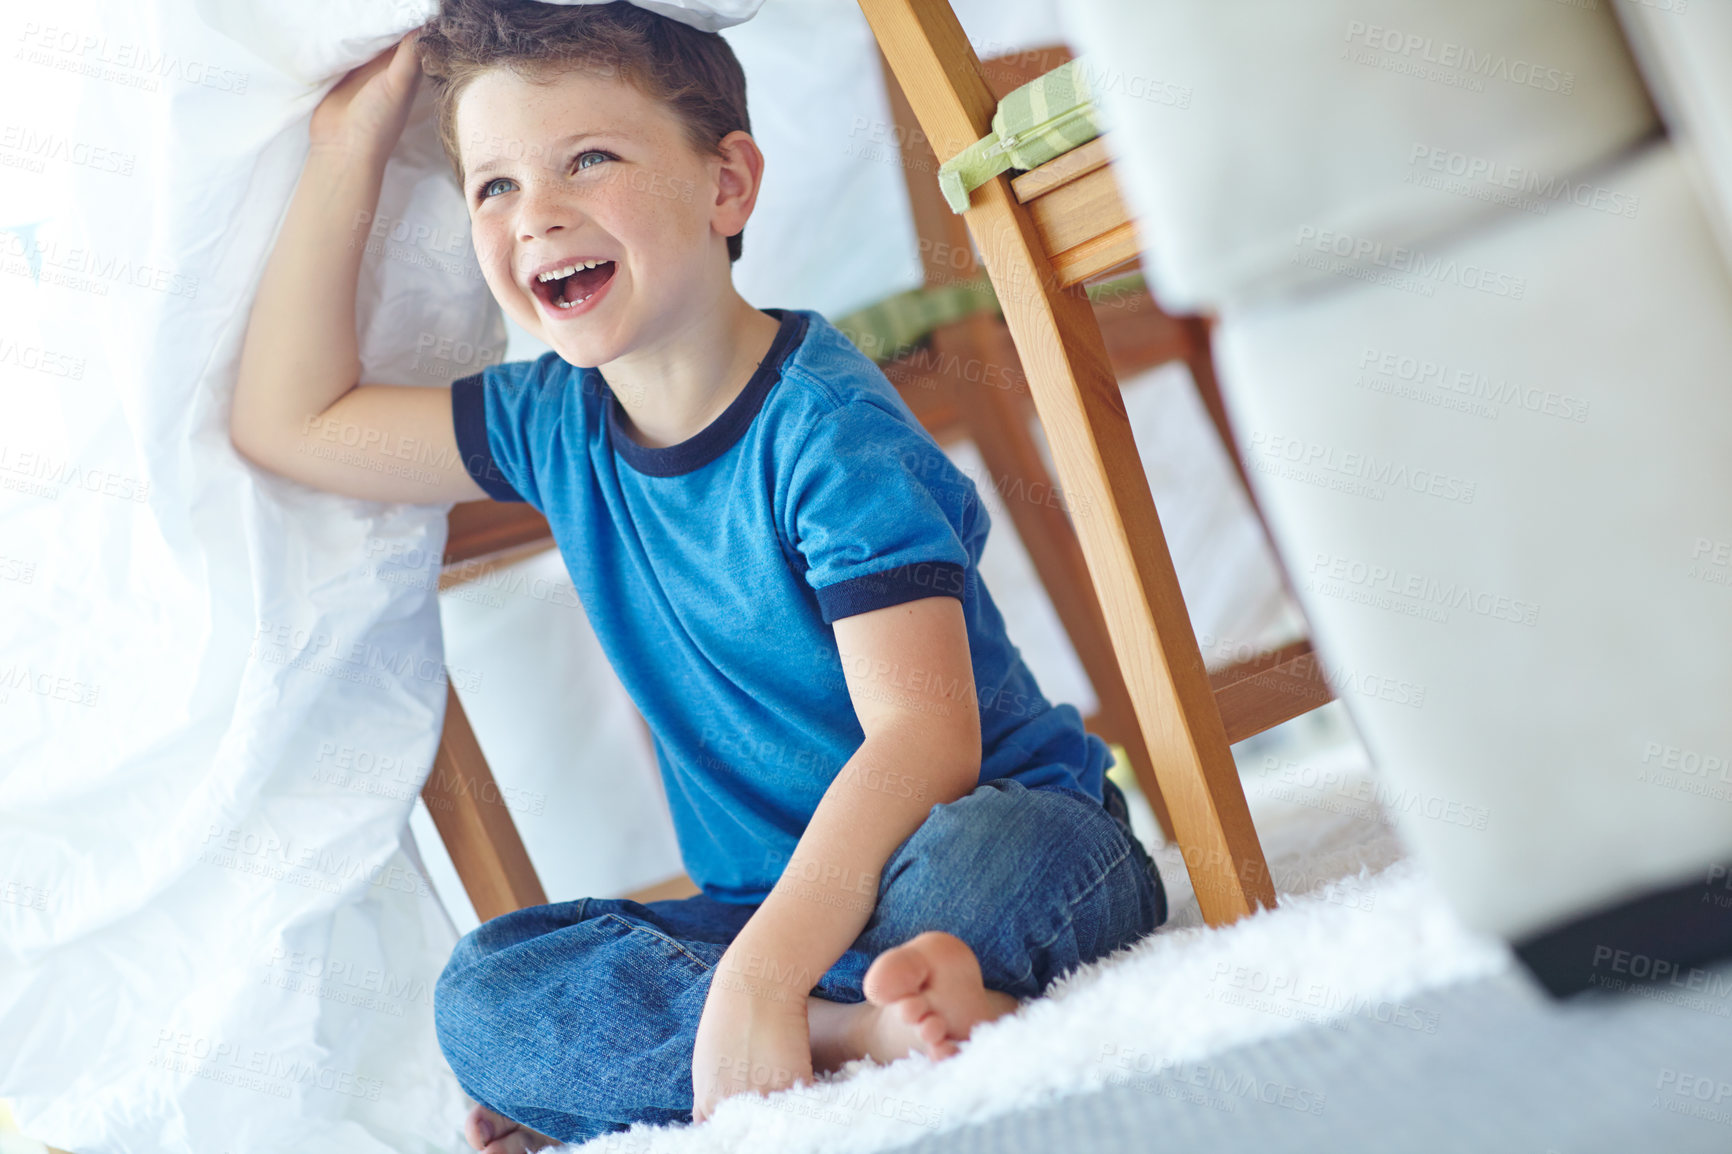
x,y
571,1020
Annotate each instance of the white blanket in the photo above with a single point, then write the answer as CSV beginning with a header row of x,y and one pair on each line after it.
x,y
216,704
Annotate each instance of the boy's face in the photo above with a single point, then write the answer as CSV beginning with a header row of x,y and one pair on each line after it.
x,y
587,168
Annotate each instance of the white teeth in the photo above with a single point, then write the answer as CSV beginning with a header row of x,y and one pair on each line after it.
x,y
568,270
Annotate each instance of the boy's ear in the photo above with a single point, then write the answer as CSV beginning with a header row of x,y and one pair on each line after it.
x,y
741,175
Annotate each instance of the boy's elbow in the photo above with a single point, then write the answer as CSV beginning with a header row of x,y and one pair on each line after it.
x,y
965,774
956,767
242,423
250,446
243,444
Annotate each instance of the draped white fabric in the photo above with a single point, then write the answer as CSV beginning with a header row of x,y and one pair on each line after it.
x,y
220,688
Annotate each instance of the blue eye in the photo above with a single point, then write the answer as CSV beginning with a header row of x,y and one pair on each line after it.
x,y
583,160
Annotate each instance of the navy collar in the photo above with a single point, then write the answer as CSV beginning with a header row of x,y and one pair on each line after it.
x,y
719,435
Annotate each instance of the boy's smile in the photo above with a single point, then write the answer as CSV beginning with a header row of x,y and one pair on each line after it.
x,y
594,240
574,286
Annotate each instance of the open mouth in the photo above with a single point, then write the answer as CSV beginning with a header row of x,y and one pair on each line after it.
x,y
569,287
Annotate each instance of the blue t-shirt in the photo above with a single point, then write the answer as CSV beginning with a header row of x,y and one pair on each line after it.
x,y
711,570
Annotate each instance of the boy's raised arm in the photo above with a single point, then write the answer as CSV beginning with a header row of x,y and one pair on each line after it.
x,y
298,410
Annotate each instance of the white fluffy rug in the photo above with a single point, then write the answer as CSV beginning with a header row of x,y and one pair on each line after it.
x,y
1358,930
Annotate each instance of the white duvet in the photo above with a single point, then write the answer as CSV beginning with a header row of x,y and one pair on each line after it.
x,y
217,698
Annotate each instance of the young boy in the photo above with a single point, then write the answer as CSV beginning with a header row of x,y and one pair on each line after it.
x,y
897,837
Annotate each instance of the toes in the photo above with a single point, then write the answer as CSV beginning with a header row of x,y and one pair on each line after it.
x,y
481,1127
932,1031
932,986
493,1133
914,1009
935,1037
911,967
896,974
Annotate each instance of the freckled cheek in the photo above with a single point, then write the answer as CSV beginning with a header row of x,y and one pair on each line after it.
x,y
492,254
673,226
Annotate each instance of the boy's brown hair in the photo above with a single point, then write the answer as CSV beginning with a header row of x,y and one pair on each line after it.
x,y
694,73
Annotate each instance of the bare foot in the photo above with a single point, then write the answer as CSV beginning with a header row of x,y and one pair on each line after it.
x,y
924,996
493,1133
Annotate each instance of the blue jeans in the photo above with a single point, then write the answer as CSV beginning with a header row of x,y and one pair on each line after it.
x,y
578,1018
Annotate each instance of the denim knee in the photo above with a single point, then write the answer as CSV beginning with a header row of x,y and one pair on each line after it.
x,y
465,1017
1037,882
463,1001
457,1012
468,950
454,1018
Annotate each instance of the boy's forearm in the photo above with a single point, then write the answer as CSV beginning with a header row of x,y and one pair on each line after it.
x,y
830,887
300,353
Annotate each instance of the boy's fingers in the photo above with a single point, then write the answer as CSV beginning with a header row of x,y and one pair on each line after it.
x,y
408,57
366,70
387,56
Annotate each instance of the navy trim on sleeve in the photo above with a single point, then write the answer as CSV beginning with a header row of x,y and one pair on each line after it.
x,y
909,582
469,420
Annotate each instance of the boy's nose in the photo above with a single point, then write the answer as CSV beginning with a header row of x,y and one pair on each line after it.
x,y
541,213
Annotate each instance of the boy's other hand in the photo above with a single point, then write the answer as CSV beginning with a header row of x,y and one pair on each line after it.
x,y
753,1038
364,114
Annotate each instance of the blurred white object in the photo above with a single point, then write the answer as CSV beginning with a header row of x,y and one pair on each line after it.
x,y
1683,54
1475,329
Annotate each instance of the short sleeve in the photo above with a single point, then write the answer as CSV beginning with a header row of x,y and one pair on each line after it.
x,y
500,415
870,509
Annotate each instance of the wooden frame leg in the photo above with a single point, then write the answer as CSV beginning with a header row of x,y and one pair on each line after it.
x,y
1083,412
472,819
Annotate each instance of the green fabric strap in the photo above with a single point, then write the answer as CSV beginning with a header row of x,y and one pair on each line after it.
x,y
895,325
1045,118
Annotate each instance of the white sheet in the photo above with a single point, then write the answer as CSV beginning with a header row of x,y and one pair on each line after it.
x,y
180,847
